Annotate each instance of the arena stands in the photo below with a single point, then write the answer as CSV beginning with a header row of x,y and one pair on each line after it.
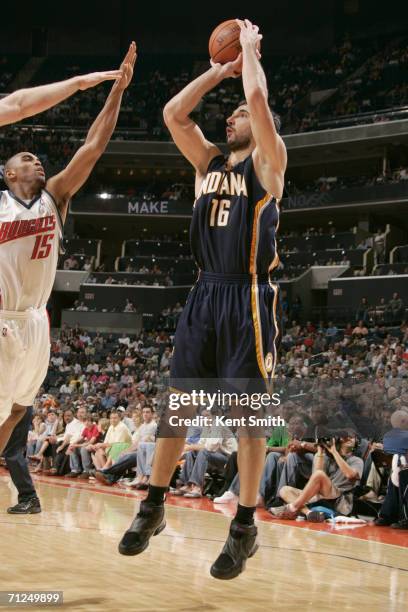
x,y
379,85
362,81
166,262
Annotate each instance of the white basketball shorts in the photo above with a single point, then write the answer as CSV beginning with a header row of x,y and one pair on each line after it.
x,y
24,357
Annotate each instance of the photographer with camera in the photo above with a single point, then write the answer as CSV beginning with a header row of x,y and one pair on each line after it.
x,y
336,472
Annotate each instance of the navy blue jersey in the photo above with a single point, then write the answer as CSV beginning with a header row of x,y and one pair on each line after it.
x,y
234,224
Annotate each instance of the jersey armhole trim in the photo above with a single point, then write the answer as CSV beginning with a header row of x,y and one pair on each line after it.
x,y
57,209
277,200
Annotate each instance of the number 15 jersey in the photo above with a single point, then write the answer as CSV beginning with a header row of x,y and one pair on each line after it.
x,y
30,235
234,224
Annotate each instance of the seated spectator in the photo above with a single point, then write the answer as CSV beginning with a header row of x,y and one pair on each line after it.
x,y
394,510
145,439
124,339
34,434
72,432
379,247
230,474
278,445
102,426
43,442
117,439
87,267
336,472
145,433
394,311
360,329
65,389
69,263
362,311
79,451
108,400
74,456
131,418
209,451
129,306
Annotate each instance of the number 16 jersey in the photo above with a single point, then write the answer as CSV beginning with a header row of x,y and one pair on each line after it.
x,y
30,235
235,220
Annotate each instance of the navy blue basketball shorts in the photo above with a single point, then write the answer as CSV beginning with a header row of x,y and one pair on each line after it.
x,y
228,331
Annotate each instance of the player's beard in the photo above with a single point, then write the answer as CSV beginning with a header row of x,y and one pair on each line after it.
x,y
238,144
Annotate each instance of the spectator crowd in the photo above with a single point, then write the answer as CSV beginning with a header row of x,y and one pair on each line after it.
x,y
344,398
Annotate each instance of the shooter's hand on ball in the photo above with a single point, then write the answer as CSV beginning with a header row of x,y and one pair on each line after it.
x,y
230,69
250,36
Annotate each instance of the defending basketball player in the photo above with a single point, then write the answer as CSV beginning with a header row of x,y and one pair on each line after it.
x,y
228,328
32,213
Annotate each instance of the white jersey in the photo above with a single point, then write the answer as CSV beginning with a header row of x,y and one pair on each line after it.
x,y
30,235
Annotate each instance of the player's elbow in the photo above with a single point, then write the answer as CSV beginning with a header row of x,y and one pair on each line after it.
x,y
169,113
173,114
11,109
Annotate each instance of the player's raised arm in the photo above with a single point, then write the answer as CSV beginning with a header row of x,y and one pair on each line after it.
x,y
65,184
31,101
185,132
270,156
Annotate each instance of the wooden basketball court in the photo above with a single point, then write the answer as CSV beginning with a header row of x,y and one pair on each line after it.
x,y
72,546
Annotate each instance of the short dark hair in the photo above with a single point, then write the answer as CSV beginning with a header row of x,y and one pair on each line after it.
x,y
5,168
276,118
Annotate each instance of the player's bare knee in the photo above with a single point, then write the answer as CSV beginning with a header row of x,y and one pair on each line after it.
x,y
17,412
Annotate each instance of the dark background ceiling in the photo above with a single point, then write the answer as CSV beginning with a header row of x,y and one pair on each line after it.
x,y
103,27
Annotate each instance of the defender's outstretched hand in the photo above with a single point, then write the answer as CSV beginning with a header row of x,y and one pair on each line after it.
x,y
93,79
126,68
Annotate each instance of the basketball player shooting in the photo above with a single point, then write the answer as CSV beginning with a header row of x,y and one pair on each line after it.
x,y
32,213
228,328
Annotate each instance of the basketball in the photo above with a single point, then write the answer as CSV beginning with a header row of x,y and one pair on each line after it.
x,y
224,45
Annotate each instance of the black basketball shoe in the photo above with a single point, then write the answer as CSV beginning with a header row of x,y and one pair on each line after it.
x,y
149,521
403,524
30,506
241,544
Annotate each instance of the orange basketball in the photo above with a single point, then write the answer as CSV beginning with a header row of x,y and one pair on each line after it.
x,y
224,45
